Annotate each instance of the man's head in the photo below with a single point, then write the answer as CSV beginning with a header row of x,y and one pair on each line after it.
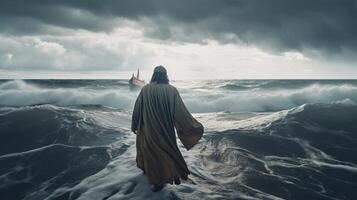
x,y
160,75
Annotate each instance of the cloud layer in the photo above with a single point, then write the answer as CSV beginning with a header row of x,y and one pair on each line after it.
x,y
89,35
329,26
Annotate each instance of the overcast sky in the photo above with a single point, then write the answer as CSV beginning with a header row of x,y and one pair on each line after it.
x,y
194,39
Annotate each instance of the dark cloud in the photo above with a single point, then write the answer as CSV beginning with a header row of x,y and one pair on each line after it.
x,y
328,26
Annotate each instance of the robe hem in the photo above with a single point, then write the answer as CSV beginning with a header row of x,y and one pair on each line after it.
x,y
167,180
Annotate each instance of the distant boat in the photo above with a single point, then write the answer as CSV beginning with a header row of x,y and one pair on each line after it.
x,y
135,82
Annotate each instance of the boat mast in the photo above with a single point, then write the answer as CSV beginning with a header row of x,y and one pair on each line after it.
x,y
137,75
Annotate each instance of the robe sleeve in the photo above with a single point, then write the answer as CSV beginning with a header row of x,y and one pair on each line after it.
x,y
189,130
136,117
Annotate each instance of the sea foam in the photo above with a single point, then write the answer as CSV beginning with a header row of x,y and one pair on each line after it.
x,y
211,98
88,152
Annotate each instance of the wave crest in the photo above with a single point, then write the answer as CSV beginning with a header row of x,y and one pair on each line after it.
x,y
212,99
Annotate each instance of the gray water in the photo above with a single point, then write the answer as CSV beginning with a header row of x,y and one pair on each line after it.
x,y
264,139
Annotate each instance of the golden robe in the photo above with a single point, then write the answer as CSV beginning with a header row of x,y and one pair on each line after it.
x,y
158,110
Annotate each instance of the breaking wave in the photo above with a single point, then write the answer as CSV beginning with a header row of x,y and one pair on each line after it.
x,y
21,93
213,97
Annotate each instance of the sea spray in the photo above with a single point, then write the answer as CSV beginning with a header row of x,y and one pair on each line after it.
x,y
209,96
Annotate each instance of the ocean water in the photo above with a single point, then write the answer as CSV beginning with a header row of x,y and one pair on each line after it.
x,y
264,139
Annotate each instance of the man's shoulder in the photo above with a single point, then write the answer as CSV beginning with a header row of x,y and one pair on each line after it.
x,y
148,88
150,85
171,86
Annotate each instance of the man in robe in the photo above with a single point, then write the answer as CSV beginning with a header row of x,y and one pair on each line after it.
x,y
158,110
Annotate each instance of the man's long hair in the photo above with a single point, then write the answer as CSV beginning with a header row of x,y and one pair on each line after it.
x,y
159,78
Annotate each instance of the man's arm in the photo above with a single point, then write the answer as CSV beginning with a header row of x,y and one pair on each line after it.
x,y
189,130
136,113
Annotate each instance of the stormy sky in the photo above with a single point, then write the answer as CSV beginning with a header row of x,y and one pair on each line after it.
x,y
193,38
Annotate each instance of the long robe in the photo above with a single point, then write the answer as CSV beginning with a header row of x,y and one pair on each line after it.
x,y
158,110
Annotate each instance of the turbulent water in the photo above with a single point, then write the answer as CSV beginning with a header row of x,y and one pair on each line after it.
x,y
264,139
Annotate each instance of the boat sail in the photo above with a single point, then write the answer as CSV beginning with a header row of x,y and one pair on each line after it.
x,y
135,81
